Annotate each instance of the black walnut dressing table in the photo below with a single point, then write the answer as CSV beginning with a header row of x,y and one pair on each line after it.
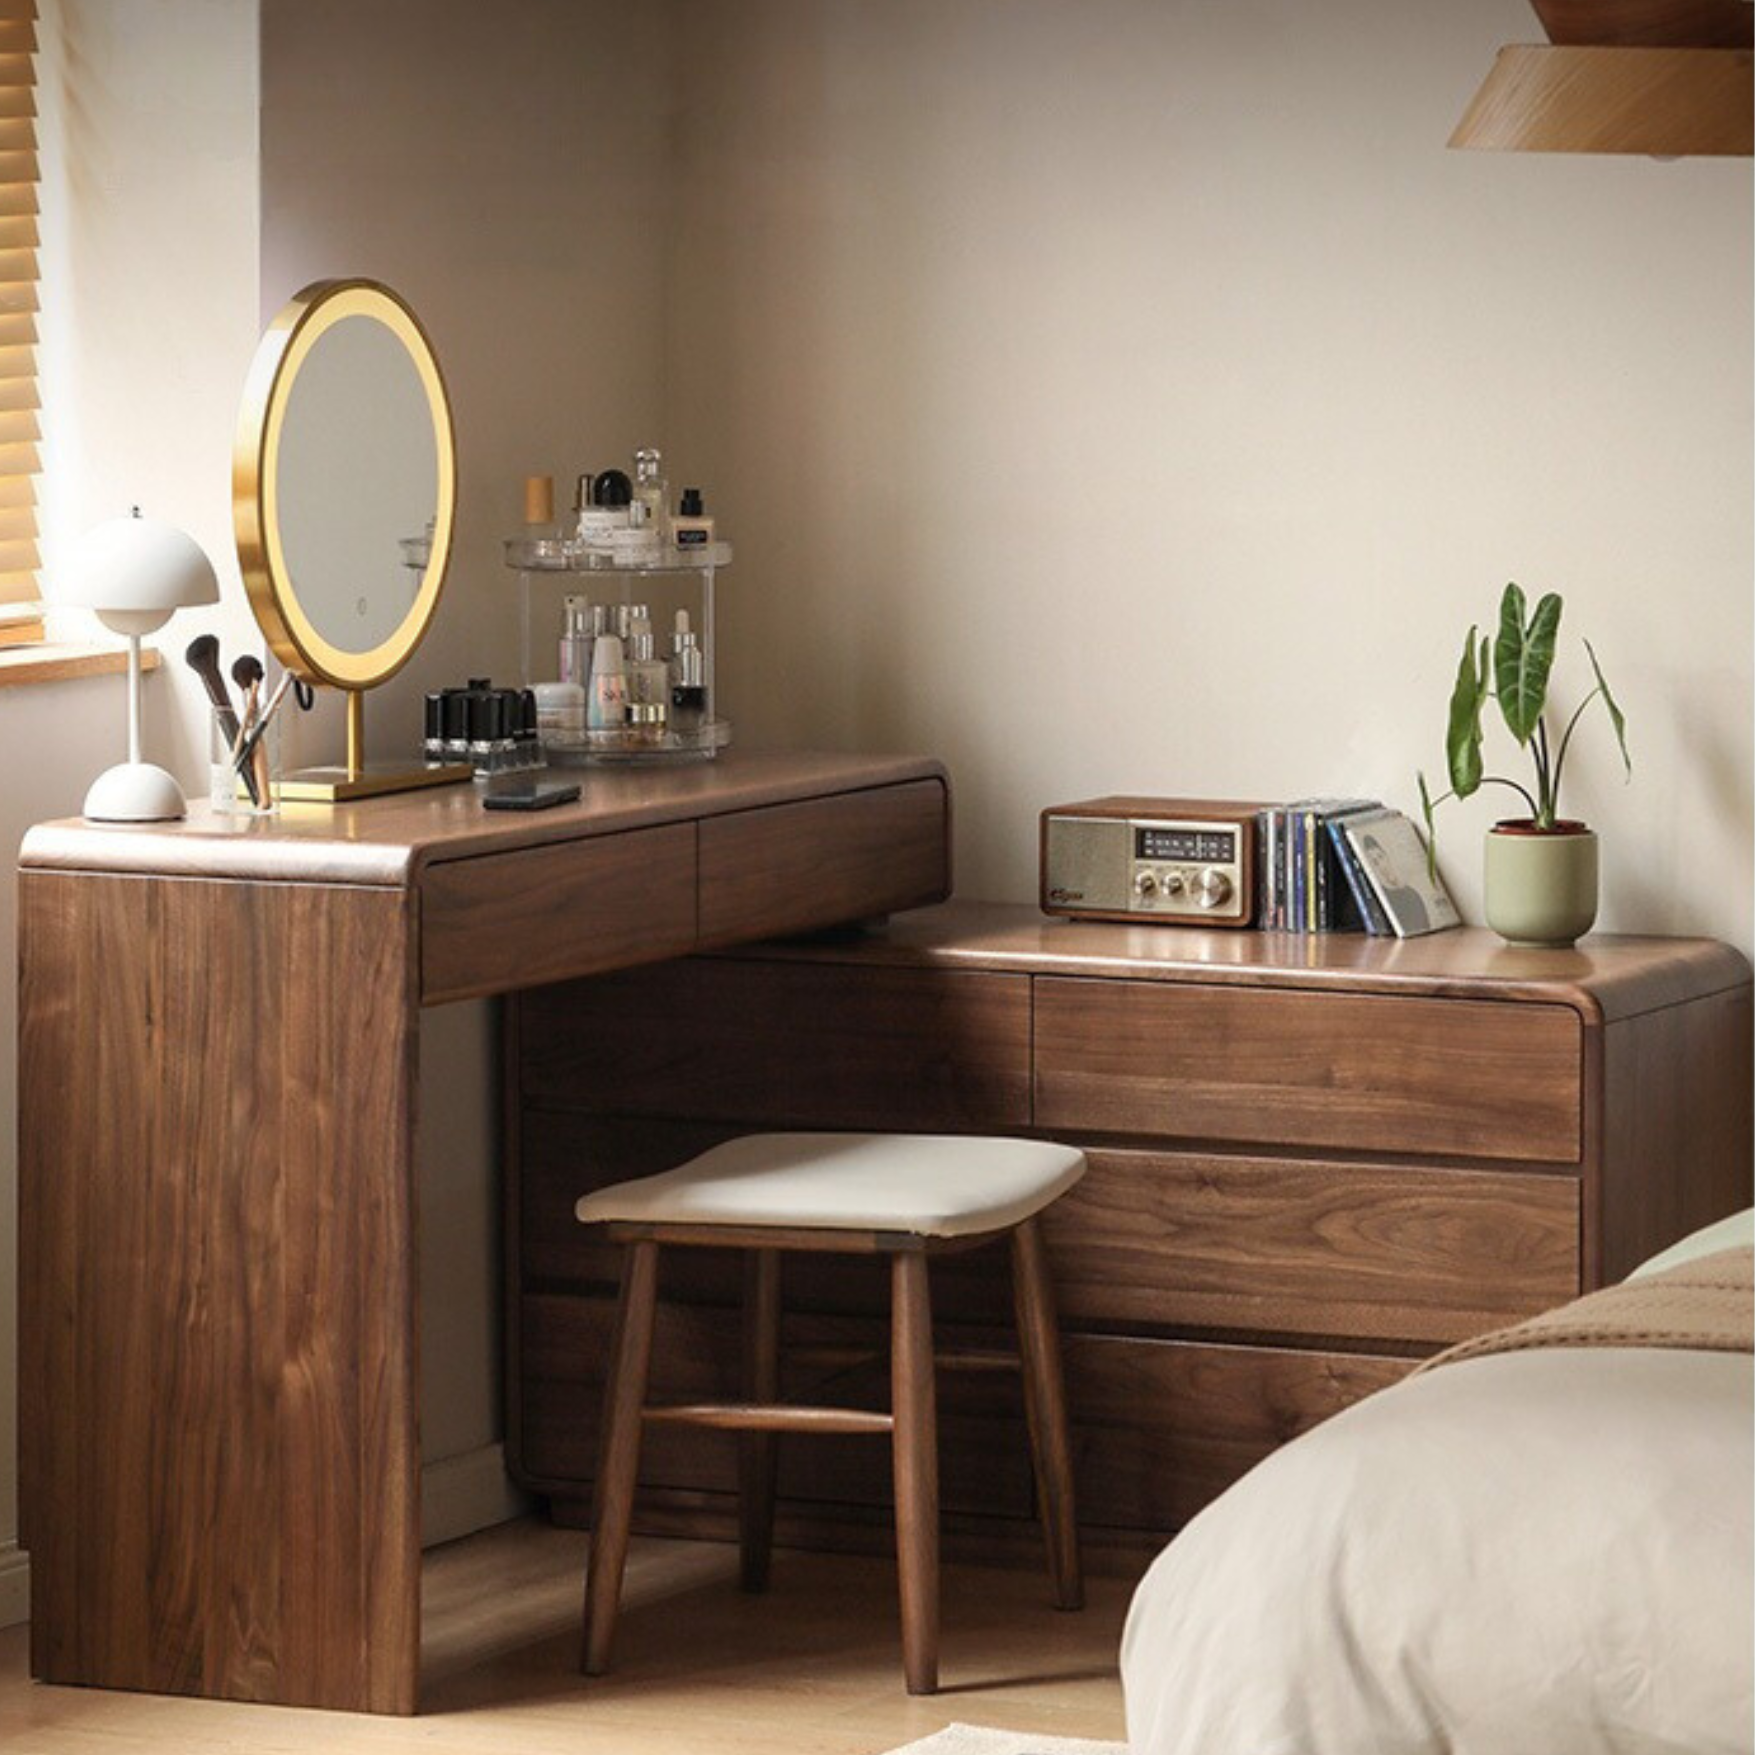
x,y
218,1065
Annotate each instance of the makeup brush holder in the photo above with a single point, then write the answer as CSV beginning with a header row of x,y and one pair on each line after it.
x,y
243,764
550,572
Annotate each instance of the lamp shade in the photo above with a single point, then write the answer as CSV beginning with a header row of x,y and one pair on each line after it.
x,y
136,566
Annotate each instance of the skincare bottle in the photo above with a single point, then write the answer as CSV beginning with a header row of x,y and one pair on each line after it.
x,y
575,661
651,492
691,528
688,679
608,708
648,674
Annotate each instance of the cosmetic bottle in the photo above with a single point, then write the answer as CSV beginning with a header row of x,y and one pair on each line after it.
x,y
607,709
575,655
691,528
688,679
560,712
433,743
651,493
527,734
646,724
648,674
456,725
603,508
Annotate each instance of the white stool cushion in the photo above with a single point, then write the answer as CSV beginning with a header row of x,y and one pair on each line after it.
x,y
927,1185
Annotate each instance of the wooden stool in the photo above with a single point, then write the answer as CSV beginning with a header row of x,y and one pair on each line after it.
x,y
907,1196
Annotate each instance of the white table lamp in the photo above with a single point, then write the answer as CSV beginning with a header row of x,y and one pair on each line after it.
x,y
132,573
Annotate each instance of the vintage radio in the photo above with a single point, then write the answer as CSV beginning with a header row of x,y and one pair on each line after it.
x,y
1174,860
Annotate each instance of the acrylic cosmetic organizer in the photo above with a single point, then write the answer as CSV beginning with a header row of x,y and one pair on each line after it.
x,y
550,570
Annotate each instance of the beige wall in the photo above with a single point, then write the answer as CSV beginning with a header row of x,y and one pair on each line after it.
x,y
149,286
1139,397
504,169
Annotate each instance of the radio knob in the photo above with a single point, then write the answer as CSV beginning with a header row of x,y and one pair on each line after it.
x,y
1213,888
1173,885
1145,883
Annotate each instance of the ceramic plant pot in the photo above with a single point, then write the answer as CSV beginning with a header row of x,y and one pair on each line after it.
x,y
1541,883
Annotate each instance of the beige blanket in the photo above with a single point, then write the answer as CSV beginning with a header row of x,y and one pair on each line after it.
x,y
1706,1305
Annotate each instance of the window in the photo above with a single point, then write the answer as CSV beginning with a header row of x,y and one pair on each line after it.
x,y
20,606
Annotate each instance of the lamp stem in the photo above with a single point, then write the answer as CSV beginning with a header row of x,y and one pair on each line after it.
x,y
134,698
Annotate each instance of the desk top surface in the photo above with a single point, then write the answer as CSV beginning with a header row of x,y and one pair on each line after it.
x,y
1605,976
389,840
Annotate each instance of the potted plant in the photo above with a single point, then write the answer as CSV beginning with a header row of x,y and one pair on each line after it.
x,y
1541,868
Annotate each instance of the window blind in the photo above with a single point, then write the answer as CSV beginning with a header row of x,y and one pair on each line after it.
x,y
20,605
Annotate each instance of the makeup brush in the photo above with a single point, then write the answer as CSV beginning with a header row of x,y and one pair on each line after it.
x,y
203,658
247,673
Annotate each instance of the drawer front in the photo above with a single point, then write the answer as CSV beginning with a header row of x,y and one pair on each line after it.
x,y
795,867
785,1045
1159,1428
1346,1072
1268,1246
509,919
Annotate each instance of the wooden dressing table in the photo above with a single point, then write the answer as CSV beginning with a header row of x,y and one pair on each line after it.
x,y
218,1057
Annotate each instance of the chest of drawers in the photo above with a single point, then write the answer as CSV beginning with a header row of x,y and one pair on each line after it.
x,y
1312,1162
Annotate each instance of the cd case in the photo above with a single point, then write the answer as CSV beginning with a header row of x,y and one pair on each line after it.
x,y
1393,859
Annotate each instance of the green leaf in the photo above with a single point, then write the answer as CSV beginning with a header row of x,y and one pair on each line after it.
x,y
1431,829
1523,655
1462,739
1615,715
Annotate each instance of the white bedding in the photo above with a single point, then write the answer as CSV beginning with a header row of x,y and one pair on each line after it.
x,y
1538,1553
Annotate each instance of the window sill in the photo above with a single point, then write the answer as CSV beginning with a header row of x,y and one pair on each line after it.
x,y
61,661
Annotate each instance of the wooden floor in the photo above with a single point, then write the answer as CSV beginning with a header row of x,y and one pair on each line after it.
x,y
812,1668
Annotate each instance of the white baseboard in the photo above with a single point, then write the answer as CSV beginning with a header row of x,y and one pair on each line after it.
x,y
459,1495
14,1585
462,1494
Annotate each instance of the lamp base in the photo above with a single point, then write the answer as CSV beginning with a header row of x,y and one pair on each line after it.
x,y
134,792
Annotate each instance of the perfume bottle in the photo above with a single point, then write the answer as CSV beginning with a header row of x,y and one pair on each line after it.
x,y
651,493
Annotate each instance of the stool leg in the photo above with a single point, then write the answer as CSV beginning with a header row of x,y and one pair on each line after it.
x,y
619,1454
1045,1409
758,1452
915,1439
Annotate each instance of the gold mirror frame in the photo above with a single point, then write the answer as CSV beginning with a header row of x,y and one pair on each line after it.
x,y
292,635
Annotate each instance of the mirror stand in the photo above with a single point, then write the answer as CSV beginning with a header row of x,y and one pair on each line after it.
x,y
359,778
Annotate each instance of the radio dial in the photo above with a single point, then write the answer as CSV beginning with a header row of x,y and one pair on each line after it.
x,y
1213,888
1173,885
1145,883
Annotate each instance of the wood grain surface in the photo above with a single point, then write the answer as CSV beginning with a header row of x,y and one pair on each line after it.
x,y
1604,977
1334,1071
218,1352
800,1047
820,862
391,840
1291,1247
492,924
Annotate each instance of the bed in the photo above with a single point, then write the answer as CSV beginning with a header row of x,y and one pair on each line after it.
x,y
1540,1551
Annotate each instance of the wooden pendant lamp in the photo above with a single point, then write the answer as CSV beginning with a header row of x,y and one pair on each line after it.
x,y
1666,78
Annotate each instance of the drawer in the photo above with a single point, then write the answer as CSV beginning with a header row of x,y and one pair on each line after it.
x,y
824,861
1159,1428
506,920
786,1045
1337,1071
1267,1246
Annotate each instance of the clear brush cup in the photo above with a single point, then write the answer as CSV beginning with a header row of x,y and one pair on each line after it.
x,y
244,763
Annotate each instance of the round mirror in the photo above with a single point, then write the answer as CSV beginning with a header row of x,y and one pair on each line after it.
x,y
344,484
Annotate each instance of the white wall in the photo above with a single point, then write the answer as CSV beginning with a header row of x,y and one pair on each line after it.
x,y
504,168
1137,396
148,141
